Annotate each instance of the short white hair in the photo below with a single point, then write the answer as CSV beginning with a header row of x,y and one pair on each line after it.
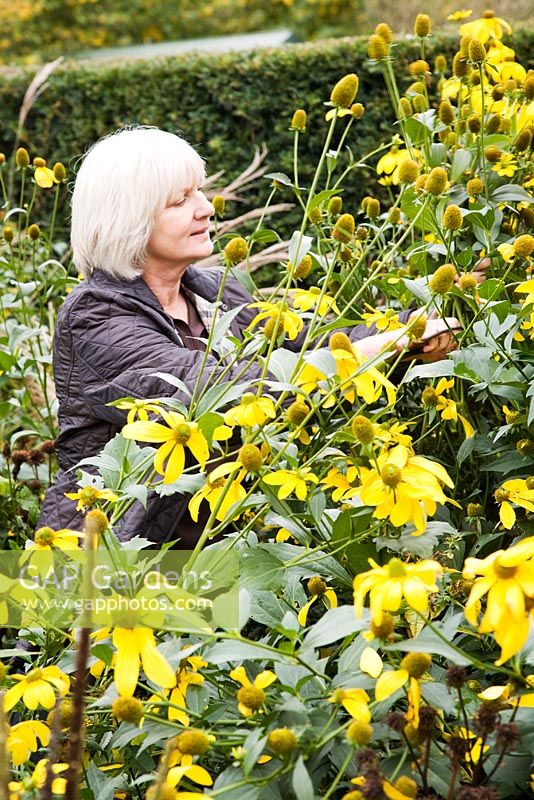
x,y
124,181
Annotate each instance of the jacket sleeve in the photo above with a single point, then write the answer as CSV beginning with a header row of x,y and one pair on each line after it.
x,y
119,348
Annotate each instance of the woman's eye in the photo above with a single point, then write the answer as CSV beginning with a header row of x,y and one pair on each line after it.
x,y
180,202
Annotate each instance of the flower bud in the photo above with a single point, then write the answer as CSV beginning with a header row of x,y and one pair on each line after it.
x,y
442,280
452,218
345,91
383,30
298,121
440,63
344,228
377,47
22,158
477,51
446,112
60,173
475,510
282,741
236,250
357,110
422,25
34,232
219,205
335,204
436,182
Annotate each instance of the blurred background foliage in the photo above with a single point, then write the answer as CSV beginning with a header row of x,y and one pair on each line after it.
x,y
33,31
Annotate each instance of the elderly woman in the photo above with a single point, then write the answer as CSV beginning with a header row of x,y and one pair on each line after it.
x,y
139,221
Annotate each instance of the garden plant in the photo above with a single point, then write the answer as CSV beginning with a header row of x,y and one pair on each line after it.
x,y
379,508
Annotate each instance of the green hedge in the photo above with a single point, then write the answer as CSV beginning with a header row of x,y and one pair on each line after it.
x,y
223,104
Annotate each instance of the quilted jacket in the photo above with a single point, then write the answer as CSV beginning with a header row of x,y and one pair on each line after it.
x,y
112,335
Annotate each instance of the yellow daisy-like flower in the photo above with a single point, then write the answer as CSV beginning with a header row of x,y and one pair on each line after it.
x,y
355,701
506,166
138,409
318,589
288,321
404,487
292,481
435,396
253,696
175,436
36,780
513,491
88,496
388,165
507,577
251,411
474,744
36,688
465,14
305,299
394,434
508,254
23,739
44,177
214,488
387,320
487,27
388,585
47,538
354,379
136,646
341,483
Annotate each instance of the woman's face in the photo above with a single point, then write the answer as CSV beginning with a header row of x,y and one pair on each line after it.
x,y
180,234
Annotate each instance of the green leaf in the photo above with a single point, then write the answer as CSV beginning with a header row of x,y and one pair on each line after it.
x,y
301,781
511,192
335,624
460,162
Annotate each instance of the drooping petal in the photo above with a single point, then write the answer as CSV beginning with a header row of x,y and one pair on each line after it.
x,y
156,667
371,663
126,661
390,682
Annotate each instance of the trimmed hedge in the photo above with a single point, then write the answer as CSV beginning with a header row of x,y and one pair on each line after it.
x,y
224,105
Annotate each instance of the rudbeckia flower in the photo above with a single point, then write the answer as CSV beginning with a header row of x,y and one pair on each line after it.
x,y
396,581
341,483
187,675
435,396
251,411
412,668
404,487
487,27
47,538
137,646
23,738
195,773
37,780
387,320
214,487
464,14
178,434
305,299
506,166
388,165
44,177
291,481
355,701
318,589
137,409
287,320
36,688
251,695
88,496
513,491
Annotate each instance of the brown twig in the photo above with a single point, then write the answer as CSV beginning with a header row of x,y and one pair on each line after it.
x,y
46,790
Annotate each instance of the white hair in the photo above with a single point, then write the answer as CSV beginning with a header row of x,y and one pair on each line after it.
x,y
125,180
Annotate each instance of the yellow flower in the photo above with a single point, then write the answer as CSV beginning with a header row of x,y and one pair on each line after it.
x,y
388,165
487,27
214,487
304,299
506,166
435,396
44,177
460,14
287,320
251,411
341,483
187,675
195,773
178,434
138,409
388,585
318,589
137,646
507,577
474,743
37,780
404,487
292,481
383,320
355,701
508,254
36,688
513,491
23,737
253,697
87,496
354,379
47,538
394,434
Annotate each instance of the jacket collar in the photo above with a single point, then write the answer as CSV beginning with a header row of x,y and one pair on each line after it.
x,y
204,283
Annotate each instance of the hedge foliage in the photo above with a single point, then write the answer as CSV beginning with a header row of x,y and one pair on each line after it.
x,y
225,105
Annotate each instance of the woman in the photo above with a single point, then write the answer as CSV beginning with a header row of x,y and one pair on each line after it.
x,y
139,221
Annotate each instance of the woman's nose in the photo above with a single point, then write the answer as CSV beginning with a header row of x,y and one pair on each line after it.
x,y
205,208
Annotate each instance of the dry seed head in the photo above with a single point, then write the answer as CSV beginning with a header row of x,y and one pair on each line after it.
x,y
219,205
282,741
446,112
60,173
416,664
344,228
359,732
345,91
477,51
127,709
22,158
405,108
316,586
34,232
474,187
335,204
298,121
236,250
440,63
420,103
467,282
474,123
524,245
251,457
494,123
418,67
492,154
297,412
460,67
377,47
452,218
422,25
363,429
436,182
192,742
406,786
383,30
523,140
8,233
442,280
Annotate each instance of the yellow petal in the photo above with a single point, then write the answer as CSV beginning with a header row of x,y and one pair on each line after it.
x,y
371,663
507,515
264,679
156,667
389,682
126,661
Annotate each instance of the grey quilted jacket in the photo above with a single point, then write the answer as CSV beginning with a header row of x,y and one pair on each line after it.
x,y
112,335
